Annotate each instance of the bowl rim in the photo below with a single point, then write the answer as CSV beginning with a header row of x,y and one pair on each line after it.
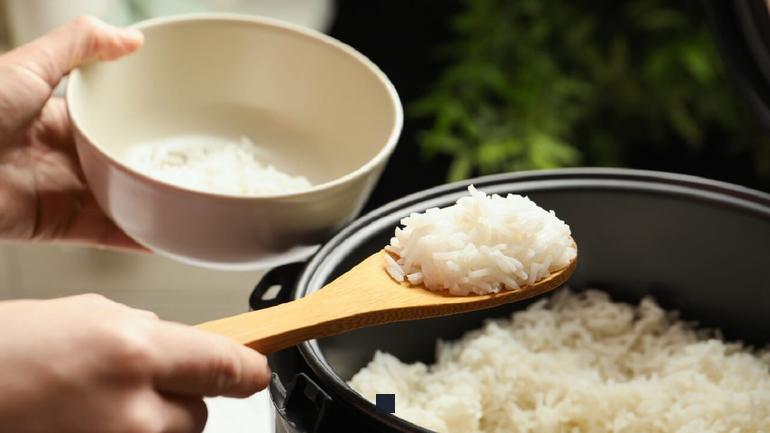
x,y
379,158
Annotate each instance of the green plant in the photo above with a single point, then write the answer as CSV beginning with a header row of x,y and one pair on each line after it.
x,y
550,83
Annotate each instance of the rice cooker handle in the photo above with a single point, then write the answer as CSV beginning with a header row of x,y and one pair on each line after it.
x,y
275,287
302,404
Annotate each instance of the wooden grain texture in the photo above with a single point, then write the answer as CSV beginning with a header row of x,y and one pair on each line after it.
x,y
364,296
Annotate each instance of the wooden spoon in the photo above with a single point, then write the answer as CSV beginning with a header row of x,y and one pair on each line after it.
x,y
364,296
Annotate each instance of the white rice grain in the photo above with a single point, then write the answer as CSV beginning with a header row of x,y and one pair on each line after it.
x,y
579,363
482,244
213,165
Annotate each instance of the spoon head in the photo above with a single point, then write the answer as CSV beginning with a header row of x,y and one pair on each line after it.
x,y
404,301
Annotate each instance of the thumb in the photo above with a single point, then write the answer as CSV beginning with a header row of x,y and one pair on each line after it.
x,y
194,362
58,52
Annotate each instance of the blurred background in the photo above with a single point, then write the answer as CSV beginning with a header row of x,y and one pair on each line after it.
x,y
488,86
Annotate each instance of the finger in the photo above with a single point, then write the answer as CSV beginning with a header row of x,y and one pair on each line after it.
x,y
195,362
97,299
71,213
139,312
55,54
183,414
147,314
88,224
92,226
54,127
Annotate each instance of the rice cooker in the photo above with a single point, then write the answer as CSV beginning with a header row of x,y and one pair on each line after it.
x,y
696,245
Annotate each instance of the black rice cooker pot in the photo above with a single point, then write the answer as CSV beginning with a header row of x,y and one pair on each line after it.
x,y
696,245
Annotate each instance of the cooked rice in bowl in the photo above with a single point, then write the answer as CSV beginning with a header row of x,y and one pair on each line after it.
x,y
212,164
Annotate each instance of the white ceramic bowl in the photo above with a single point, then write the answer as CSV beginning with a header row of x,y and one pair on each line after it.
x,y
315,107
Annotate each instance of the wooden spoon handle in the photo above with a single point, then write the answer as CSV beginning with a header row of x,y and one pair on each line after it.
x,y
275,328
364,296
339,306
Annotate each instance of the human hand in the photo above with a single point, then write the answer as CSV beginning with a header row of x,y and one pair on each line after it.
x,y
43,195
86,364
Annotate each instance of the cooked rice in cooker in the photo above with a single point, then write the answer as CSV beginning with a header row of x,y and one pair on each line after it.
x,y
580,363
